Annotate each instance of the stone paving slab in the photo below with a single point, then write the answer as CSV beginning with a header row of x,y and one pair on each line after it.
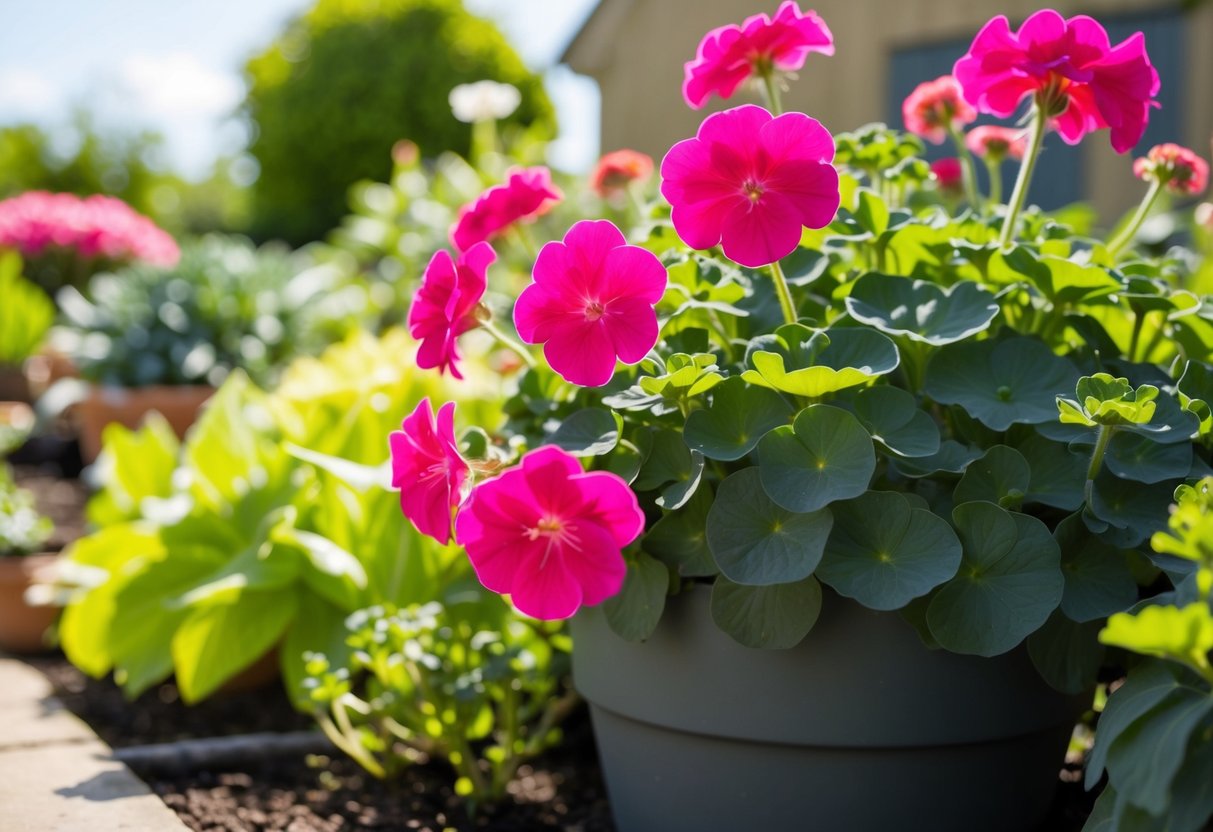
x,y
55,774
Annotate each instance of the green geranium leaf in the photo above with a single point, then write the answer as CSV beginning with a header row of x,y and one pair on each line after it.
x,y
633,613
683,376
1134,510
920,310
1008,585
1058,474
680,537
1000,476
738,416
680,491
951,458
756,542
893,418
1147,685
1001,383
1098,579
812,363
871,212
1060,279
823,456
1195,389
1133,456
671,467
1103,399
1067,654
1144,759
589,432
768,617
884,553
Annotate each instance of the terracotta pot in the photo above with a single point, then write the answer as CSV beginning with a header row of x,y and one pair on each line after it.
x,y
858,728
23,627
46,368
106,405
13,385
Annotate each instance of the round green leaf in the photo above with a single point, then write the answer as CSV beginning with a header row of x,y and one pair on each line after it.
x,y
633,613
1133,456
1008,585
1067,654
921,310
589,432
883,553
1058,474
893,418
1001,476
1132,510
811,363
1098,581
738,416
669,467
1001,382
951,458
823,456
771,617
757,543
680,537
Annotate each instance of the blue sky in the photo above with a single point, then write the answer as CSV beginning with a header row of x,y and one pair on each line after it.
x,y
174,66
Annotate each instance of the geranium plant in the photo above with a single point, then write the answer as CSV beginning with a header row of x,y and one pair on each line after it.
x,y
813,367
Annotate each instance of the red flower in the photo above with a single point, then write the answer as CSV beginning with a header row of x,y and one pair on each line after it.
x,y
615,170
948,174
1079,80
445,305
935,107
526,194
729,55
1178,168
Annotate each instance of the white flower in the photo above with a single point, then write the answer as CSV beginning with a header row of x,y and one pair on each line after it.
x,y
483,101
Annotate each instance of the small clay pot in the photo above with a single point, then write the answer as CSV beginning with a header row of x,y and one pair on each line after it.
x,y
127,406
22,626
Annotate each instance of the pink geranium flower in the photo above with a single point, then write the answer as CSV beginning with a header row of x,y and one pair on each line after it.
x,y
1177,167
549,534
731,54
935,107
617,169
98,226
948,174
445,305
591,303
996,143
526,194
1079,80
428,470
750,182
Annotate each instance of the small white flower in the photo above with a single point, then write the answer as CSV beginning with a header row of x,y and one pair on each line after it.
x,y
484,100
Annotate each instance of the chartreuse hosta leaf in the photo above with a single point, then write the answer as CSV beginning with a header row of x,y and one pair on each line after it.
x,y
920,310
1195,390
1001,383
825,455
682,376
1191,525
896,422
1098,581
884,553
813,362
736,418
1008,585
1000,476
771,617
1102,399
756,542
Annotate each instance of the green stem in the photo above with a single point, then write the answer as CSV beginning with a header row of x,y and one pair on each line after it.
x,y
771,86
1143,210
725,342
995,171
509,343
1035,139
1139,318
967,169
1101,445
783,292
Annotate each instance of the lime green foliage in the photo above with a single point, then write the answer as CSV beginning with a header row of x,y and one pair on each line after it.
x,y
22,529
467,683
350,78
26,313
1104,400
239,541
225,305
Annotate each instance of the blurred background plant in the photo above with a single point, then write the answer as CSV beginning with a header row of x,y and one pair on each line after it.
x,y
22,529
26,315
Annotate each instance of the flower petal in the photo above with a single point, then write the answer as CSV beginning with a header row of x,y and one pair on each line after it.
x,y
760,234
581,353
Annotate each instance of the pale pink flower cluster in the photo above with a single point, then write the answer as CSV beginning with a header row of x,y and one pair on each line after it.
x,y
92,227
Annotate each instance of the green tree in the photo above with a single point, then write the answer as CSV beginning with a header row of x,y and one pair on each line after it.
x,y
349,78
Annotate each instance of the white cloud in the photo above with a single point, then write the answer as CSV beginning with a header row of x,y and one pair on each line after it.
x,y
177,85
26,94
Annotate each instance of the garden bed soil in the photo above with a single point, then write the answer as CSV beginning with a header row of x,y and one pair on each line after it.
x,y
562,790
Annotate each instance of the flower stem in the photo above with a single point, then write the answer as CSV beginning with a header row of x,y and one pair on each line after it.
x,y
509,343
995,171
1143,210
783,292
1027,166
1101,445
771,86
967,169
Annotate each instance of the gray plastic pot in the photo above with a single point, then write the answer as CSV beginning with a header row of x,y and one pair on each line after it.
x,y
860,728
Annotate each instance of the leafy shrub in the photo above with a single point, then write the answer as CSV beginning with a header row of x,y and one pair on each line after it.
x,y
225,305
347,80
22,529
25,315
